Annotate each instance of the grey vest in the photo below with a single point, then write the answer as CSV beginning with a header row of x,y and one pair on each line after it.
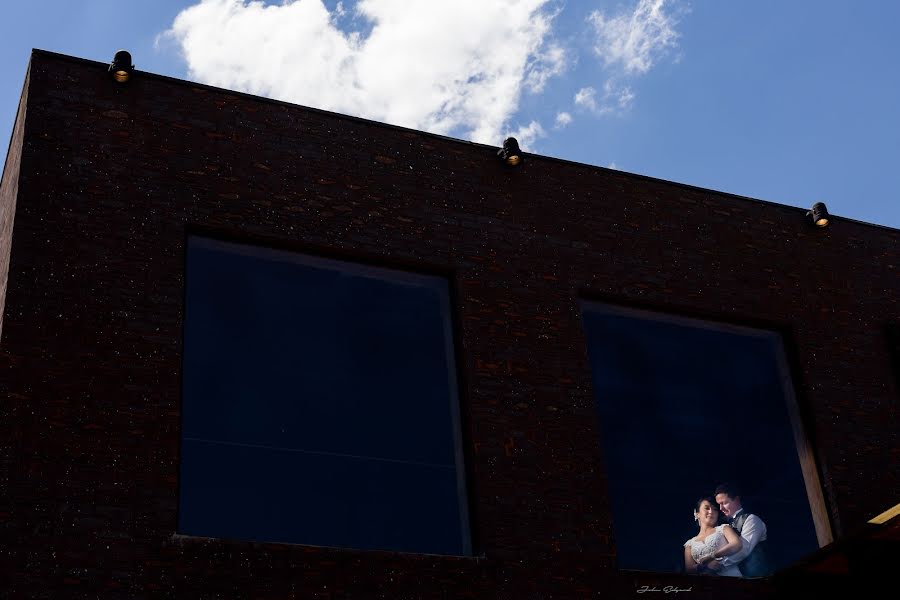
x,y
756,564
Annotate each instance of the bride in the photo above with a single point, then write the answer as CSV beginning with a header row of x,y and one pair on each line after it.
x,y
712,541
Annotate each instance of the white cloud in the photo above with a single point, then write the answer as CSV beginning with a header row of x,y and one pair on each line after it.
x,y
624,97
634,40
545,65
454,68
629,43
615,99
562,119
586,97
527,134
613,165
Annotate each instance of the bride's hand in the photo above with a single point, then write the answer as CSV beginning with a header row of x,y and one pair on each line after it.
x,y
714,565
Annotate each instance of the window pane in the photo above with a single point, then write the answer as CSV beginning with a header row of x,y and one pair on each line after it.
x,y
685,405
319,403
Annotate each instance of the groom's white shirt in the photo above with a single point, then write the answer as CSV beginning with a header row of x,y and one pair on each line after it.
x,y
752,533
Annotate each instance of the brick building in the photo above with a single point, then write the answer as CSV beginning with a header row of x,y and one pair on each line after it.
x,y
117,198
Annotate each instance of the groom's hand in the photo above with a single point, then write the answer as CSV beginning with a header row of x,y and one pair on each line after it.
x,y
714,565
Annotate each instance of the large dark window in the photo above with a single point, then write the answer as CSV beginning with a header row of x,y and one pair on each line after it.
x,y
683,406
319,404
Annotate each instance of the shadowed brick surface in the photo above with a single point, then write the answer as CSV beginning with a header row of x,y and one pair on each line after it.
x,y
106,180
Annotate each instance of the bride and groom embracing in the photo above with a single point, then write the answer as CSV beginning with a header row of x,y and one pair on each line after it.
x,y
735,548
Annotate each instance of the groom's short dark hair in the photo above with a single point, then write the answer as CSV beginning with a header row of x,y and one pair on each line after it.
x,y
729,489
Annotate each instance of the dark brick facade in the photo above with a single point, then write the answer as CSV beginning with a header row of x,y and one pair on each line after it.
x,y
105,180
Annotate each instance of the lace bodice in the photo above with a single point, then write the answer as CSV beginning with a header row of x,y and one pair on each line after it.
x,y
703,548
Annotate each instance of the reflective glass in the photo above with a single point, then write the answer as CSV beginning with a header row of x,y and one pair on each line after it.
x,y
319,403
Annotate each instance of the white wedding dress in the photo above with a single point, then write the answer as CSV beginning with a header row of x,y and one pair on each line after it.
x,y
713,542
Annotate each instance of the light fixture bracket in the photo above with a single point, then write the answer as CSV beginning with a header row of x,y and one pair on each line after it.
x,y
120,69
818,215
510,153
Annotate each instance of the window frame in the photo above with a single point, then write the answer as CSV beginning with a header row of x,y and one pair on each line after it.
x,y
805,453
442,283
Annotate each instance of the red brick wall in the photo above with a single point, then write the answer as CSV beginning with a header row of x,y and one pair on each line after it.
x,y
9,191
113,176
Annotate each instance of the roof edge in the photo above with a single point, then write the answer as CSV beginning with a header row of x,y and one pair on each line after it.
x,y
686,186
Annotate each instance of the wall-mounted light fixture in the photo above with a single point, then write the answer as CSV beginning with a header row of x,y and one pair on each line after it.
x,y
510,153
818,215
120,68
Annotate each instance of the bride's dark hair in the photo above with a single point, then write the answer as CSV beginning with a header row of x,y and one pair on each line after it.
x,y
709,499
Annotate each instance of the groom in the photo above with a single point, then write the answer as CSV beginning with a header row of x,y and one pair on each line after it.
x,y
751,559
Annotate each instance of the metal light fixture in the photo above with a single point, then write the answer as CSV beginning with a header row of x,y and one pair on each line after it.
x,y
120,68
510,153
819,215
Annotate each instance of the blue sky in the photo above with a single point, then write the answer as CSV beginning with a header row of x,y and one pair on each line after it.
x,y
792,102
